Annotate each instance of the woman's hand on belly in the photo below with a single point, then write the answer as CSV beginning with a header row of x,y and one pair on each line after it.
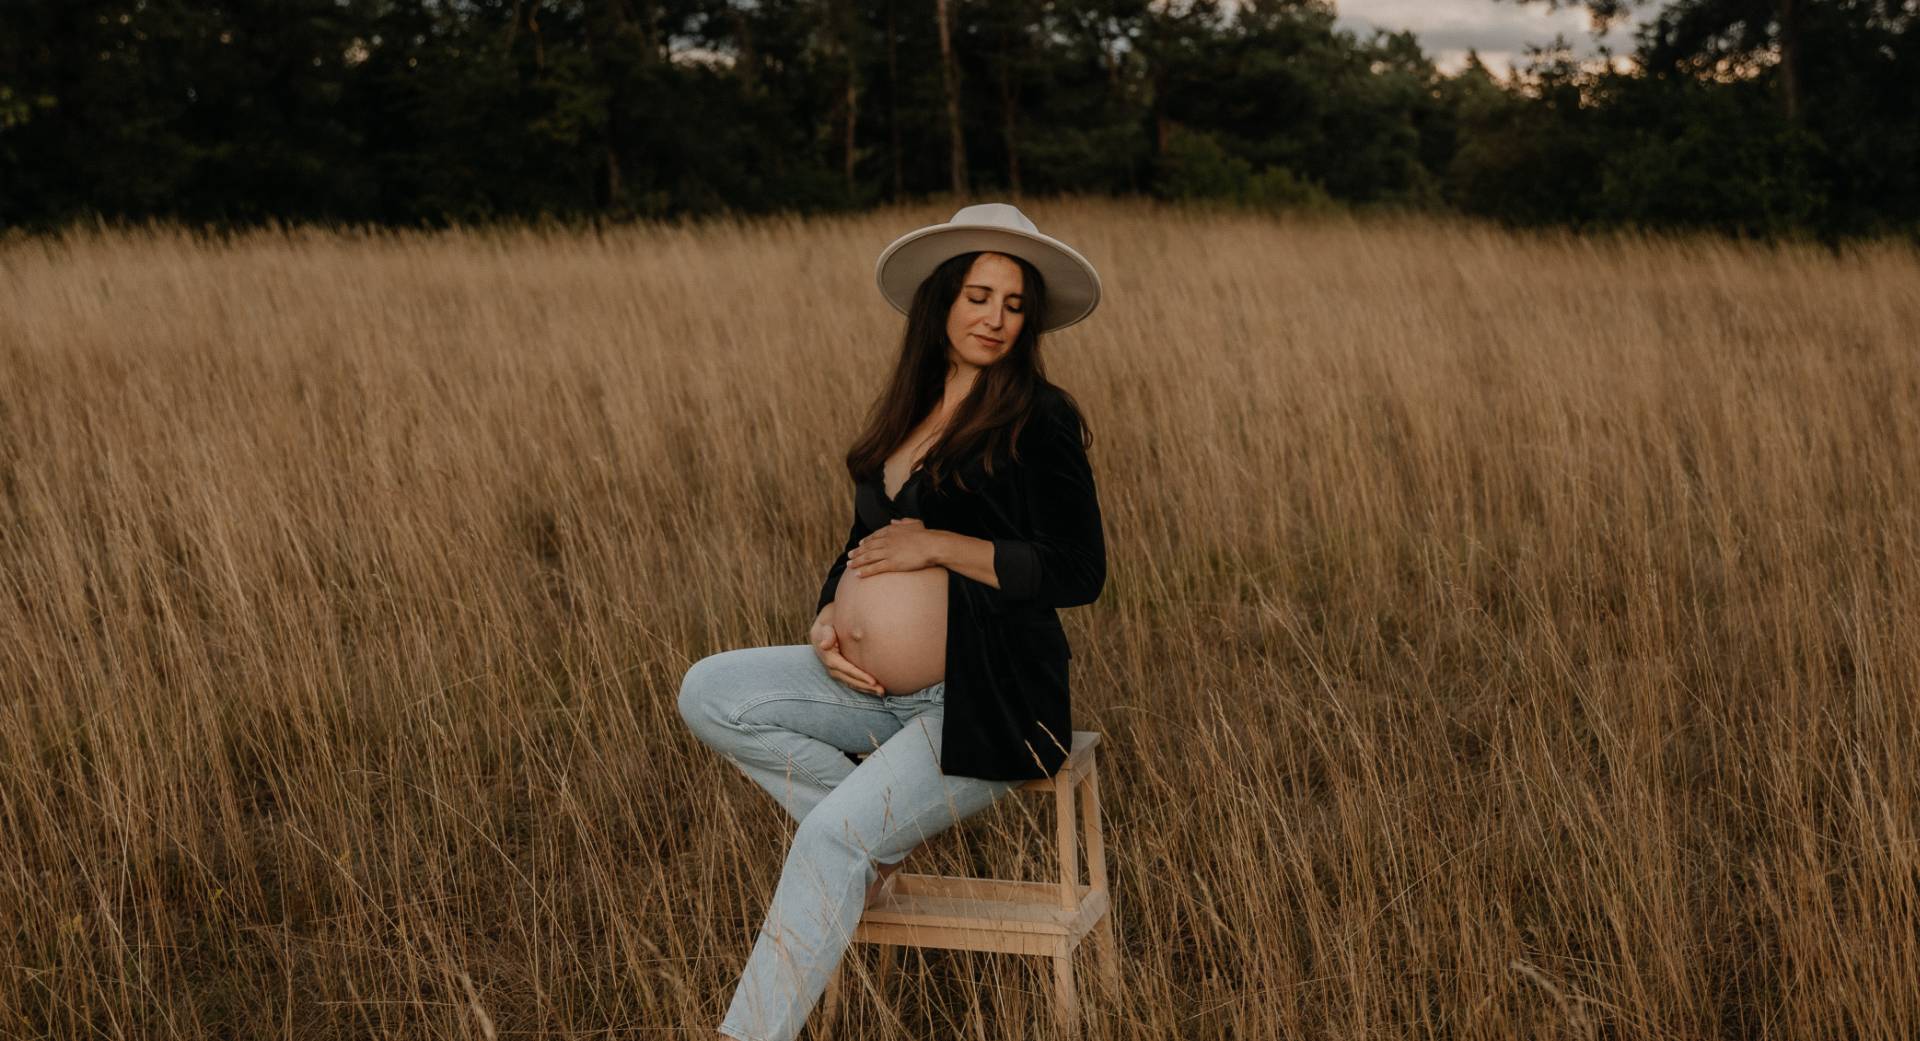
x,y
904,544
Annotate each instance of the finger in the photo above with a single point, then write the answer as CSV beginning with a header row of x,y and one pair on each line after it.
x,y
837,663
854,670
863,686
856,677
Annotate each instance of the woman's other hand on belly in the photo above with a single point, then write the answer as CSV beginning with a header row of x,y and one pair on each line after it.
x,y
826,646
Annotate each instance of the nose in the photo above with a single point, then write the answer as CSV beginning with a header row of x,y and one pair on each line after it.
x,y
997,317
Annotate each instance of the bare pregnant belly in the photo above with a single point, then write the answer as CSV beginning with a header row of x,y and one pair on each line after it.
x,y
894,626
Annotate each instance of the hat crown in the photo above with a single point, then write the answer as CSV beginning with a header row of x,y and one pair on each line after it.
x,y
994,215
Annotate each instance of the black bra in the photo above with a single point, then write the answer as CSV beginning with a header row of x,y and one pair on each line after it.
x,y
870,498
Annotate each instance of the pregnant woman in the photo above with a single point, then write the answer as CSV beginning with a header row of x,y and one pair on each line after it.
x,y
936,649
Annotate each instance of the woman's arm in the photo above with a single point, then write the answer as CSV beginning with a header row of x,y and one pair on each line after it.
x,y
967,555
1064,562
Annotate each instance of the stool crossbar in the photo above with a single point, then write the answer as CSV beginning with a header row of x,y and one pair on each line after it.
x,y
989,914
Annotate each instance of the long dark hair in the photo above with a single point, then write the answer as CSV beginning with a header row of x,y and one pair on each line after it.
x,y
986,424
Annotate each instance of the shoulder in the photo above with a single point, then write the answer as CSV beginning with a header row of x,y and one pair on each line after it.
x,y
1052,404
1054,422
1058,409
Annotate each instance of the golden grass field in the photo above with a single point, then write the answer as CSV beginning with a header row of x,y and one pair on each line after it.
x,y
1507,636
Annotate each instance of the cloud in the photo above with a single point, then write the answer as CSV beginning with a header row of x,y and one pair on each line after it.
x,y
1501,31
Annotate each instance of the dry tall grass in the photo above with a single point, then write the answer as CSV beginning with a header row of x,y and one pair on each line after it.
x,y
1506,637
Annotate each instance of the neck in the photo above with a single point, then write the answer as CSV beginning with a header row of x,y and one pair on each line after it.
x,y
960,379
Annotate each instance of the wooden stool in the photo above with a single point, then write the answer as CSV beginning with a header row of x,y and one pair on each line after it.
x,y
986,914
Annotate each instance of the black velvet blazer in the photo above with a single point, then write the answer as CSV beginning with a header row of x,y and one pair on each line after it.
x,y
1008,713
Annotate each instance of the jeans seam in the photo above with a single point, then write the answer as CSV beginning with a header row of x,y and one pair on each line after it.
x,y
733,719
797,695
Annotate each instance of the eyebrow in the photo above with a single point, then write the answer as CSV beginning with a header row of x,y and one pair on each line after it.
x,y
976,285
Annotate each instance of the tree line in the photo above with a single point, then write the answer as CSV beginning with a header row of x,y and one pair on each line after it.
x,y
1754,117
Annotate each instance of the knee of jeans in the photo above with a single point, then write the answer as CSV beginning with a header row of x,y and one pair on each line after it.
x,y
700,703
825,831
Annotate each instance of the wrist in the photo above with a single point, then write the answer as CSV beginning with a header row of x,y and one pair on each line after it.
x,y
943,548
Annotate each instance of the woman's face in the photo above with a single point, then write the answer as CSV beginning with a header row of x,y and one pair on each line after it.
x,y
987,315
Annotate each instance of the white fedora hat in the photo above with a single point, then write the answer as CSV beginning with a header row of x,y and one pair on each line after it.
x,y
1073,286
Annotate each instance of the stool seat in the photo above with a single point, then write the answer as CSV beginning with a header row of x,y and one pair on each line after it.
x,y
1008,916
1079,761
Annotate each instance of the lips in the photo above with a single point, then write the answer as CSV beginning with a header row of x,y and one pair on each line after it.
x,y
989,340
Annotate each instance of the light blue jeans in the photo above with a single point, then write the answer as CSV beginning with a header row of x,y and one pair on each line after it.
x,y
776,714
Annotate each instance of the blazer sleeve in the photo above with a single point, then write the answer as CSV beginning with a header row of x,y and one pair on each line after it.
x,y
860,530
1064,561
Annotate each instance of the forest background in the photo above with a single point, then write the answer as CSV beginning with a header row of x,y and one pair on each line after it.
x,y
1753,117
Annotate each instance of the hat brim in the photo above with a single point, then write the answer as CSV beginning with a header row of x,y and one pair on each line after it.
x,y
1073,286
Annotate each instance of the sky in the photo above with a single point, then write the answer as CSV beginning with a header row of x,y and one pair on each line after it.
x,y
1499,29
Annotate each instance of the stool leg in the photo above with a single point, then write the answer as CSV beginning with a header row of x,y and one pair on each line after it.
x,y
1069,854
1065,1008
1105,949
